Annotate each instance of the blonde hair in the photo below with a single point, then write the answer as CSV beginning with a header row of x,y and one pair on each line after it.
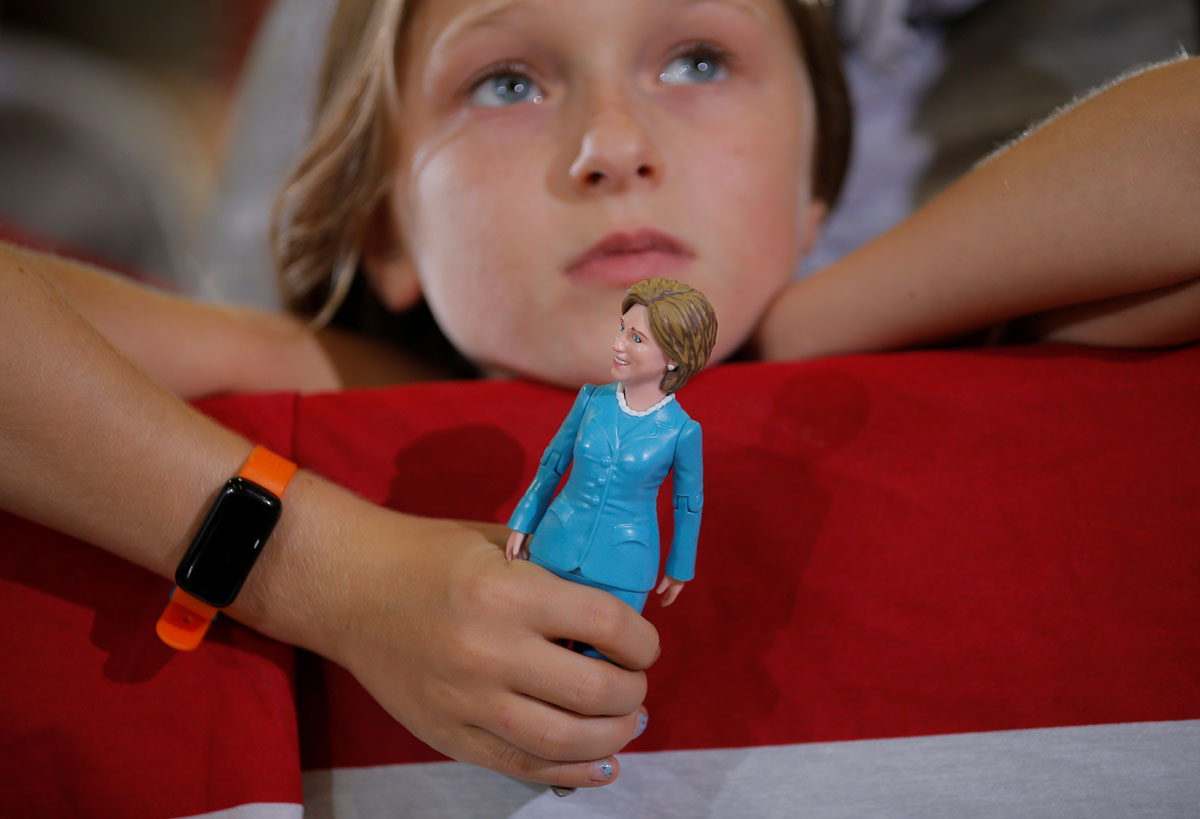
x,y
683,323
322,214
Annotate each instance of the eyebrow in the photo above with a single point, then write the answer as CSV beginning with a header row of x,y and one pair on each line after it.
x,y
753,10
473,21
503,9
461,28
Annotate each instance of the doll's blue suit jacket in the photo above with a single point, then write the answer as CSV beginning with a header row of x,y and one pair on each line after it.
x,y
604,523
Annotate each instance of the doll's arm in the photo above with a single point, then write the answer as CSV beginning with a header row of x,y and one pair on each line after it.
x,y
452,641
688,494
669,588
517,545
1097,207
554,464
195,348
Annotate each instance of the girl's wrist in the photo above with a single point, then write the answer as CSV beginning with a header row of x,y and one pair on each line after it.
x,y
333,557
299,589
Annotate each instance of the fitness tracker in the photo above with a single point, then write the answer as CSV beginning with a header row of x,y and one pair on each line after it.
x,y
225,548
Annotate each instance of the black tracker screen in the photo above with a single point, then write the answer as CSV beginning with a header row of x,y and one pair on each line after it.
x,y
228,543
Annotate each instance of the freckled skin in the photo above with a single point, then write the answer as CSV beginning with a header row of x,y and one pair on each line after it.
x,y
722,165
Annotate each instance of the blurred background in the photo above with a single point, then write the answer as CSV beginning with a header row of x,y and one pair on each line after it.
x,y
152,136
113,118
940,84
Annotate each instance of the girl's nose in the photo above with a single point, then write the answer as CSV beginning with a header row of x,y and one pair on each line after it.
x,y
615,150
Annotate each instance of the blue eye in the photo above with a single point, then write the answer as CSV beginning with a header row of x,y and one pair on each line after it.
x,y
505,88
637,338
697,66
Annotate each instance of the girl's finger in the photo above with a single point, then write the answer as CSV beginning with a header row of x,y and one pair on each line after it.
x,y
576,612
550,733
489,751
569,680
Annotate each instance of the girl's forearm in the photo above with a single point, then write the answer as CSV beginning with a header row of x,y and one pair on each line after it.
x,y
86,437
1096,205
91,446
192,348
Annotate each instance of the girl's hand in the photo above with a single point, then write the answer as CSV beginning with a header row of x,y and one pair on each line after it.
x,y
453,640
669,588
517,546
458,645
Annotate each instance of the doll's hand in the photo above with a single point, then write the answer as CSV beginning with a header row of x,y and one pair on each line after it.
x,y
669,588
517,546
458,645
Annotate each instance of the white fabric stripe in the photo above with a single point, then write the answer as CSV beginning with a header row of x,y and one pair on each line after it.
x,y
256,810
1135,769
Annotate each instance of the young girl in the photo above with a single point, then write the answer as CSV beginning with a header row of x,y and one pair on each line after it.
x,y
515,164
510,166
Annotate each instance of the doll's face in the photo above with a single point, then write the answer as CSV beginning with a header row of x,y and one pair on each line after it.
x,y
551,154
637,357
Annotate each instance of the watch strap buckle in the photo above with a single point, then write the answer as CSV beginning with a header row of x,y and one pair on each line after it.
x,y
184,621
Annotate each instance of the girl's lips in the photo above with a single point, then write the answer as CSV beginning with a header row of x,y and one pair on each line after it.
x,y
625,258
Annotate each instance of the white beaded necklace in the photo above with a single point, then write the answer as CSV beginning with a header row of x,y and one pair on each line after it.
x,y
643,413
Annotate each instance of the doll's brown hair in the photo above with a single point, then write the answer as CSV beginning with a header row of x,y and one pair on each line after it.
x,y
322,213
683,323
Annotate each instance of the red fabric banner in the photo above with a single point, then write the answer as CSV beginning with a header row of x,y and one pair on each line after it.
x,y
892,546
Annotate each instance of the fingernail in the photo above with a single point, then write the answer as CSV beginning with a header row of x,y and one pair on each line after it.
x,y
643,720
602,771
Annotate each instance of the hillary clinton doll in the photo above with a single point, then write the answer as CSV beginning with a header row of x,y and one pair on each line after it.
x,y
624,437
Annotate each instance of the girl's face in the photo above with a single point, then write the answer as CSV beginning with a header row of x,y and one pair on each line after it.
x,y
551,154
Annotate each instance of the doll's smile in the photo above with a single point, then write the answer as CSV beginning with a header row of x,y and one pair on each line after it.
x,y
623,258
637,355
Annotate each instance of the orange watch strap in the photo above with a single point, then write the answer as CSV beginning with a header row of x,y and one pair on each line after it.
x,y
270,471
186,619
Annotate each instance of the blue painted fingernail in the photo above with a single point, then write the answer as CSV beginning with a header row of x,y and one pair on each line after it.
x,y
602,771
643,720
